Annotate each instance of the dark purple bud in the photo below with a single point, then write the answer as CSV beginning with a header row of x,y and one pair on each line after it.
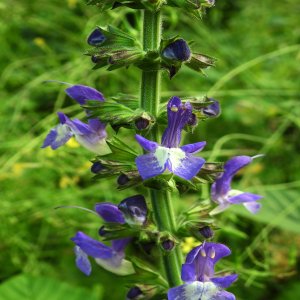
x,y
178,50
148,246
134,293
168,245
142,123
206,232
134,210
123,179
212,110
96,38
97,167
192,121
102,231
94,59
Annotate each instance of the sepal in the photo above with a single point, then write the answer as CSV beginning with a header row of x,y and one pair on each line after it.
x,y
129,179
115,231
145,292
209,172
109,168
191,226
161,182
146,275
174,52
119,115
194,7
121,151
112,38
113,48
134,4
115,59
198,62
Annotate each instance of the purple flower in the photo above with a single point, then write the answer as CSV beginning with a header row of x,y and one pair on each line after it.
x,y
134,210
111,258
198,273
82,93
224,196
168,155
91,136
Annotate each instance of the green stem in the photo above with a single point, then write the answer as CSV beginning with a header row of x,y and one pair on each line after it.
x,y
165,222
150,99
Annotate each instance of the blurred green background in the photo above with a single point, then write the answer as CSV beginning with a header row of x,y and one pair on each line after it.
x,y
258,84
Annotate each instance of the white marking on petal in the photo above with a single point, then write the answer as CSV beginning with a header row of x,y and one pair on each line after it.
x,y
124,267
162,155
223,200
199,291
233,193
176,155
63,131
99,147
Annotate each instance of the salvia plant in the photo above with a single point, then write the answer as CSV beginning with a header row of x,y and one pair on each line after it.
x,y
142,234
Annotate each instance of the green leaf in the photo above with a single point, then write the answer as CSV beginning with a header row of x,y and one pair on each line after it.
x,y
280,208
26,287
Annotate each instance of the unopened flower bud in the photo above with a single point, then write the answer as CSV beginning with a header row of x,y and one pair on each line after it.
x,y
97,167
212,110
178,50
102,231
96,37
192,121
134,210
94,59
168,245
206,232
134,293
142,123
123,179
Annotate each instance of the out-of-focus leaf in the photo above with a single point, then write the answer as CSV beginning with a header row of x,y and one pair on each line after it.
x,y
280,208
25,287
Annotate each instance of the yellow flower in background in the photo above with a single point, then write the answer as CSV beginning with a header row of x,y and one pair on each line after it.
x,y
188,244
253,169
72,143
40,42
72,3
66,181
49,152
19,168
84,168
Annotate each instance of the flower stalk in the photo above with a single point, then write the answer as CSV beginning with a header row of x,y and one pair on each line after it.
x,y
150,99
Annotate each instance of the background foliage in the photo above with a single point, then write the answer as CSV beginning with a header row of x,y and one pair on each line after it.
x,y
257,82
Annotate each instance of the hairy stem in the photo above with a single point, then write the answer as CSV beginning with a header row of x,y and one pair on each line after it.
x,y
150,99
